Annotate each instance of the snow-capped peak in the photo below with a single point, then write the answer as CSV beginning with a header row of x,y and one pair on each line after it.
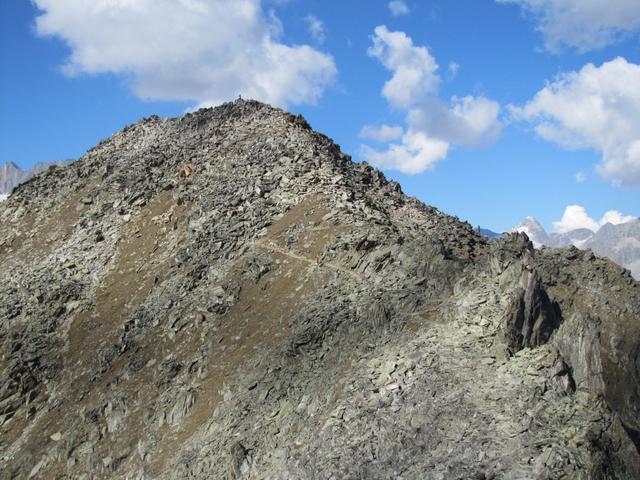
x,y
534,230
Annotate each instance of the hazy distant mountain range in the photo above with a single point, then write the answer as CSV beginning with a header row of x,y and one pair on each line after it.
x,y
620,243
11,175
489,233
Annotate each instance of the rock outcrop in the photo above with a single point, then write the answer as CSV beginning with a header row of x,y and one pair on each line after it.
x,y
227,295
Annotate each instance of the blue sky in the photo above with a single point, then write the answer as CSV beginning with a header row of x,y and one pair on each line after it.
x,y
470,136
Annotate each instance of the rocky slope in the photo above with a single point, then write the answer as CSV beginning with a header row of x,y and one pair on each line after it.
x,y
227,295
620,243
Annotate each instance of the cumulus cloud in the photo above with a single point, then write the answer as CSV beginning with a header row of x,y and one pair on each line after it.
x,y
414,68
576,216
383,133
595,108
398,7
415,154
433,125
316,28
582,24
615,218
469,121
206,51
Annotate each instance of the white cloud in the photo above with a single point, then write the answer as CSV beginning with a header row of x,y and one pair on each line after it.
x,y
453,69
615,218
416,154
383,133
414,69
316,28
433,126
582,24
596,108
398,7
469,121
205,51
576,216
580,177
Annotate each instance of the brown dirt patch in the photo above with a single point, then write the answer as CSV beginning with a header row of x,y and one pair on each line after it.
x,y
258,322
46,233
136,268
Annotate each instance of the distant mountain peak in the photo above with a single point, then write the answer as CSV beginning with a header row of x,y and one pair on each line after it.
x,y
534,230
10,164
12,175
533,222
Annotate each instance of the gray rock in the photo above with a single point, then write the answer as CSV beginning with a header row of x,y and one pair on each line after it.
x,y
240,300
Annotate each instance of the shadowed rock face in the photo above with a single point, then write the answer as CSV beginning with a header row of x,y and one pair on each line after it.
x,y
227,295
530,318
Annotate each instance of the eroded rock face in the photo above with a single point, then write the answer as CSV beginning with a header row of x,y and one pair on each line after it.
x,y
530,318
227,295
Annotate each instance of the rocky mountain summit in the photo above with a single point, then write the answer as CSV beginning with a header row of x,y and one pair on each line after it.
x,y
619,242
227,295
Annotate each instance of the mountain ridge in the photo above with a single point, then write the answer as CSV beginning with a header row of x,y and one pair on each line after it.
x,y
11,175
227,295
619,242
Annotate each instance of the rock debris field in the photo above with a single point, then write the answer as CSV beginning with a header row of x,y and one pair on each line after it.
x,y
226,295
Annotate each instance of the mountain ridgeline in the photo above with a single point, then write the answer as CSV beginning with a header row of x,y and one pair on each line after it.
x,y
227,295
620,242
11,175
